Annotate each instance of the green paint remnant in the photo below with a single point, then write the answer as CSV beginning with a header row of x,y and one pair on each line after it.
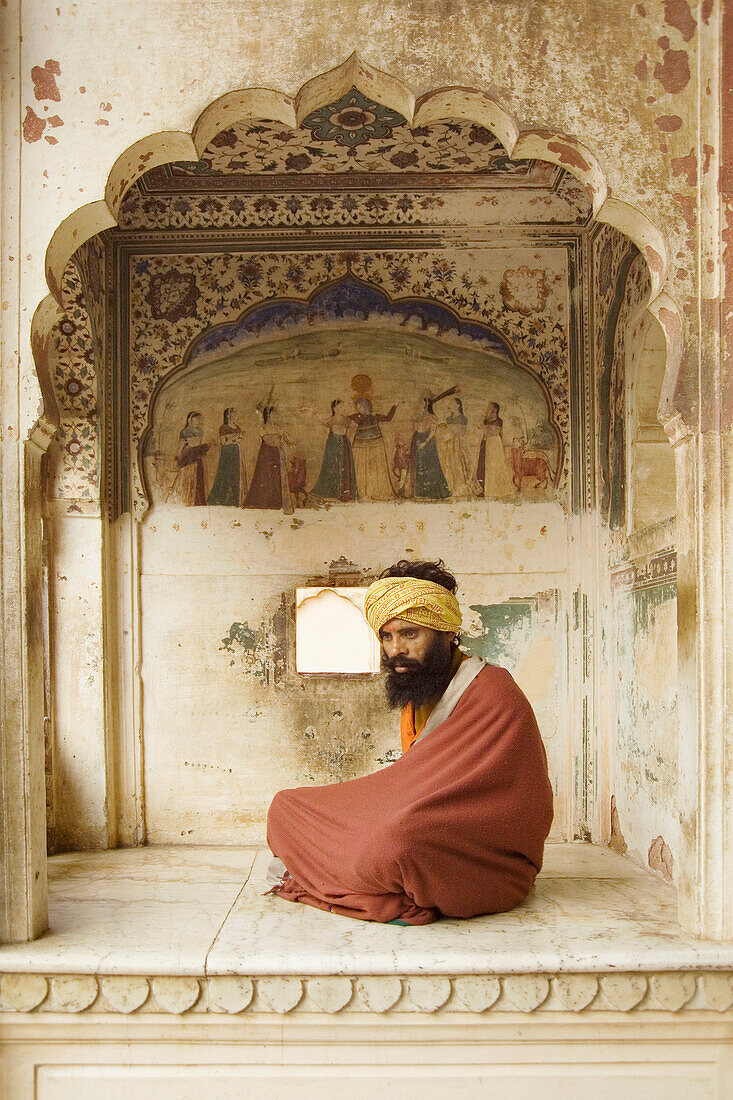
x,y
647,600
506,632
248,650
241,636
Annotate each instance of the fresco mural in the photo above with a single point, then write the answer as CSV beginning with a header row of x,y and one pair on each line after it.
x,y
430,442
297,422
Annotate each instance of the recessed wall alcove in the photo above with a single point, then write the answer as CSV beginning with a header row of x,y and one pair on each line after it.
x,y
294,267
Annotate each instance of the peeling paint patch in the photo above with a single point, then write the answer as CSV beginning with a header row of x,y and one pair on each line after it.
x,y
677,14
655,261
660,858
55,120
687,167
44,81
389,756
617,842
668,123
673,72
33,126
640,70
505,632
569,155
688,203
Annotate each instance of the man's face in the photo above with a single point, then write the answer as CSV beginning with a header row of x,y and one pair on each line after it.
x,y
405,644
417,660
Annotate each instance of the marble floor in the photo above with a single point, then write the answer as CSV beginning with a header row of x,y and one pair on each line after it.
x,y
201,911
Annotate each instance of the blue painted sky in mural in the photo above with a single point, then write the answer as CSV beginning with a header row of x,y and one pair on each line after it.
x,y
347,299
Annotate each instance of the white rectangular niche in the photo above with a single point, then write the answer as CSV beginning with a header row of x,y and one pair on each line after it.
x,y
332,636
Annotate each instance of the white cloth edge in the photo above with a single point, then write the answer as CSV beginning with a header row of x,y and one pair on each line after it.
x,y
450,698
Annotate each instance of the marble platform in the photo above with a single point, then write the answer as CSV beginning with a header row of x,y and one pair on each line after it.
x,y
203,911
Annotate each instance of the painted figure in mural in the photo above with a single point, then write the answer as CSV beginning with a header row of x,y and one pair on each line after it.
x,y
230,481
454,456
492,471
529,463
426,479
462,816
296,476
270,486
401,466
337,479
373,476
189,486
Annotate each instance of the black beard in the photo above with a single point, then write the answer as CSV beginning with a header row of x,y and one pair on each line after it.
x,y
424,682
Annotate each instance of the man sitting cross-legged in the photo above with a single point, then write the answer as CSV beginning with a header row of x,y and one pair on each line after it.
x,y
456,826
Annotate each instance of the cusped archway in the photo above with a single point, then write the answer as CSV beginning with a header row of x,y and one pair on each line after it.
x,y
347,244
390,130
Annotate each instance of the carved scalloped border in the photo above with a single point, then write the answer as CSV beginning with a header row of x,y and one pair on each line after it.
x,y
469,104
673,991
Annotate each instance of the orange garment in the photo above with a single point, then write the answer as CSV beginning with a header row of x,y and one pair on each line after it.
x,y
412,724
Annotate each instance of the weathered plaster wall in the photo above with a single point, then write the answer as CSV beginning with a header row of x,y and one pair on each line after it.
x,y
651,473
227,719
639,607
645,814
78,720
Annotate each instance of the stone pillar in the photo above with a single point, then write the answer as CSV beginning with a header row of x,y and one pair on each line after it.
x,y
699,423
23,891
705,641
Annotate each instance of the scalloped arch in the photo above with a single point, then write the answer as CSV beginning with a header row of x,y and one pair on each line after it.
x,y
468,104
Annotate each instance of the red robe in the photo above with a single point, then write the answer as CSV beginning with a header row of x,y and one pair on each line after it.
x,y
454,828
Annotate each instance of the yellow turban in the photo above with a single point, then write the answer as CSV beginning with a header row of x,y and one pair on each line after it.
x,y
423,603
